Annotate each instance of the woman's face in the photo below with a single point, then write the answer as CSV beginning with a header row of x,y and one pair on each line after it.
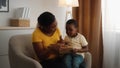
x,y
71,30
51,28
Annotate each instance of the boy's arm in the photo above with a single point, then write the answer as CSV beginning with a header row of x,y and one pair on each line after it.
x,y
84,49
84,44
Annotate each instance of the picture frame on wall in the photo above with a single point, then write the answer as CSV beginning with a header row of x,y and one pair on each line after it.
x,y
4,5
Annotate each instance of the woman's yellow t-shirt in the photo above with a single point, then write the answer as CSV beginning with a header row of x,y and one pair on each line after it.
x,y
39,36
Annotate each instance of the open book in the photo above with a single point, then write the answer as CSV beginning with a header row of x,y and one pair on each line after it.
x,y
68,49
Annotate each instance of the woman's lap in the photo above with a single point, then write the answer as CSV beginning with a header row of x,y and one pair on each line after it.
x,y
58,63
53,63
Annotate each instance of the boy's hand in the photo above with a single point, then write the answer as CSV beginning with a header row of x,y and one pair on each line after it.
x,y
75,50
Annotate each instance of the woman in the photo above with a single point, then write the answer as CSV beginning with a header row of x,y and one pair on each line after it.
x,y
45,41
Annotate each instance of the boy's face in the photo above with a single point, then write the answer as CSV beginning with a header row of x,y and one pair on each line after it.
x,y
71,30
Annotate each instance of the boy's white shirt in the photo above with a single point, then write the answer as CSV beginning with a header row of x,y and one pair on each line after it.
x,y
77,42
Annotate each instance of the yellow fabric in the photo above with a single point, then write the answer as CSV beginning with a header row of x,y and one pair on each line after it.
x,y
39,36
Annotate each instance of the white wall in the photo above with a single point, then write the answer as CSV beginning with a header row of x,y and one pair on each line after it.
x,y
37,7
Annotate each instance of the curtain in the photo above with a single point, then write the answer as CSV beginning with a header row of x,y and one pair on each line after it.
x,y
88,15
111,33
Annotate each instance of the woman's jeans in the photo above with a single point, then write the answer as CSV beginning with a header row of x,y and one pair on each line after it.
x,y
73,60
53,63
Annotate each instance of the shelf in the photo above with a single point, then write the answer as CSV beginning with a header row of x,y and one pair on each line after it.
x,y
15,28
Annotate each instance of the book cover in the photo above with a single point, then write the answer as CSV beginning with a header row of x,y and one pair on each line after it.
x,y
68,49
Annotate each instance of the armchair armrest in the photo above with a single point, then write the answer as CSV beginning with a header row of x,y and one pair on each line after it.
x,y
22,61
18,55
88,59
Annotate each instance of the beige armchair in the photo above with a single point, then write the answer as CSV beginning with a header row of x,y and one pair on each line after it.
x,y
21,53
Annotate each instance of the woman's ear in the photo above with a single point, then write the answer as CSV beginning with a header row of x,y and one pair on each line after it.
x,y
39,26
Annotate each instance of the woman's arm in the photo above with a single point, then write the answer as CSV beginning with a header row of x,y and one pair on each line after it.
x,y
41,51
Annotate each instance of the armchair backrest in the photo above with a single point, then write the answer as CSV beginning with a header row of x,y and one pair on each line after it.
x,y
22,44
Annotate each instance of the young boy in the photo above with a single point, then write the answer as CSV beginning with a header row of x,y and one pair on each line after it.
x,y
77,42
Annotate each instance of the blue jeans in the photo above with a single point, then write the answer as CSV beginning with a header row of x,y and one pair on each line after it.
x,y
73,60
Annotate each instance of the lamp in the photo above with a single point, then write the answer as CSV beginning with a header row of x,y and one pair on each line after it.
x,y
69,4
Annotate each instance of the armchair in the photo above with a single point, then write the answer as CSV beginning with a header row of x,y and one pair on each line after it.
x,y
21,53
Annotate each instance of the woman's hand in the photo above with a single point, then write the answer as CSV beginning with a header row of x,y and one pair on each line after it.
x,y
55,47
65,49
